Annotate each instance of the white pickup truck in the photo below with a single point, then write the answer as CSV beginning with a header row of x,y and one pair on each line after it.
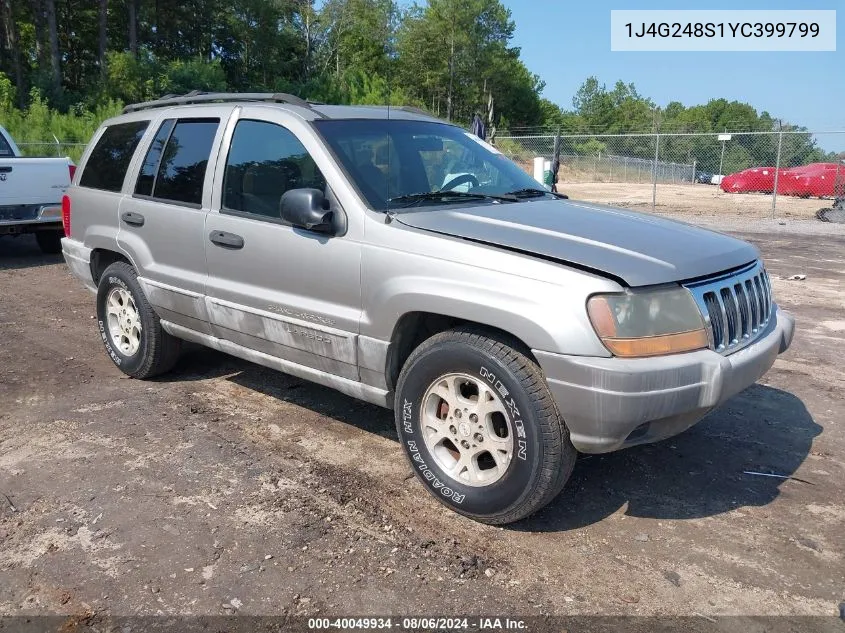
x,y
31,191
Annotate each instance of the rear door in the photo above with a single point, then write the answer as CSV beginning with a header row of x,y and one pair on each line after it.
x,y
162,219
279,290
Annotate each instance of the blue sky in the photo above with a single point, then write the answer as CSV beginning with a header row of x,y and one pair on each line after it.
x,y
566,41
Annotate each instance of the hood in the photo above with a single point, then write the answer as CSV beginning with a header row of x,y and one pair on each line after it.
x,y
640,249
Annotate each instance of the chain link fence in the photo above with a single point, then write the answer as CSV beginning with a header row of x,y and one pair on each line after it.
x,y
766,174
55,149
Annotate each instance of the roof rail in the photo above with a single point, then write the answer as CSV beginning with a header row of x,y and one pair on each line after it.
x,y
414,110
196,96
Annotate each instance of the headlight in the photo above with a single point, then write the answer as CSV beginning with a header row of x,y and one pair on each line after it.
x,y
648,323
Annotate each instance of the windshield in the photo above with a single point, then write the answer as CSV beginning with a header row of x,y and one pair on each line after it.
x,y
395,163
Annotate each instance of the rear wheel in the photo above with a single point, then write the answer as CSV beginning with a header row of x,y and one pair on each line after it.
x,y
50,242
480,427
130,328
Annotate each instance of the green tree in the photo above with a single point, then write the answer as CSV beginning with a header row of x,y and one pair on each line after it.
x,y
453,54
358,36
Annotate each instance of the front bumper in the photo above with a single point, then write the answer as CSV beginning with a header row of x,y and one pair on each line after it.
x,y
613,403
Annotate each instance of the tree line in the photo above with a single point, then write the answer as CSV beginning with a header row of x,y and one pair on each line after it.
x,y
599,110
64,65
450,56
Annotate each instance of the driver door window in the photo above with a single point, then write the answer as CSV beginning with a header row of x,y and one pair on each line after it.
x,y
265,160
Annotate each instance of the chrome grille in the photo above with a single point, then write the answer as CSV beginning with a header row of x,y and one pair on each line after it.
x,y
736,307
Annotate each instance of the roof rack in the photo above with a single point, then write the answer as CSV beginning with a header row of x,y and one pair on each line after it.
x,y
414,110
197,96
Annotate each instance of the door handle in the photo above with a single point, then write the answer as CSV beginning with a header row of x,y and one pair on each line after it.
x,y
5,169
132,219
226,240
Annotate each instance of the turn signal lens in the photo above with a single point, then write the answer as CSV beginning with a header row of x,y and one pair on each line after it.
x,y
601,316
648,323
657,345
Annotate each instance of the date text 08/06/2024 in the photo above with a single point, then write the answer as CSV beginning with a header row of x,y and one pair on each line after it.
x,y
492,623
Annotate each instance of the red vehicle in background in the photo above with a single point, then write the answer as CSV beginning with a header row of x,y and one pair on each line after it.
x,y
755,179
820,180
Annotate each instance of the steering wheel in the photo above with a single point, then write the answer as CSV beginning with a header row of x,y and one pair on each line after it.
x,y
459,180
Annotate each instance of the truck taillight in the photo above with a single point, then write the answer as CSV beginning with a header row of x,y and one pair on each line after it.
x,y
72,169
66,214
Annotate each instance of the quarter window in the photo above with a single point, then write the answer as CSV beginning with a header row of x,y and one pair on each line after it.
x,y
182,163
146,179
266,160
110,158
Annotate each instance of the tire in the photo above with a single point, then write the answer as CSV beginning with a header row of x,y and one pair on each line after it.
x,y
50,242
143,349
458,367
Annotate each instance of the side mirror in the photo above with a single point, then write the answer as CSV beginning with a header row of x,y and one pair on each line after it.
x,y
307,209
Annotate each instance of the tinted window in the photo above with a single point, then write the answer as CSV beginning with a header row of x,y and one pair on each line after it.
x,y
146,178
264,161
181,170
5,148
109,160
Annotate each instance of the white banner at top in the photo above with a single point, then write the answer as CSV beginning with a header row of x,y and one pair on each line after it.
x,y
723,30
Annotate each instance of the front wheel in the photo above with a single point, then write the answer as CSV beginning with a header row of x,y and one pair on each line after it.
x,y
480,427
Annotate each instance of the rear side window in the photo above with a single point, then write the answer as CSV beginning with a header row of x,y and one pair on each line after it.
x,y
110,158
182,163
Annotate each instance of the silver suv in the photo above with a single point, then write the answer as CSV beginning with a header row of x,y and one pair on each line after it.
x,y
400,260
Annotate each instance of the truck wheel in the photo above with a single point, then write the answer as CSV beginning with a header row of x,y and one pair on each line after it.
x,y
129,326
50,242
480,427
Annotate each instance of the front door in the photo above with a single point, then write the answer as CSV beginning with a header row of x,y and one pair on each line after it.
x,y
273,288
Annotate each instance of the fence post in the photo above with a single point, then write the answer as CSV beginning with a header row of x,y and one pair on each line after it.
x,y
693,181
654,172
777,168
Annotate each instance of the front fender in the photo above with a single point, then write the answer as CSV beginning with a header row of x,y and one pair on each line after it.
x,y
542,314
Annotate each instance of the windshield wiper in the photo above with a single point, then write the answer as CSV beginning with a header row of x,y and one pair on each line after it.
x,y
530,192
414,198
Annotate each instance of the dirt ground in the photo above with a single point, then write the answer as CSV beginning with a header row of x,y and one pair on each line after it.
x,y
693,199
228,488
